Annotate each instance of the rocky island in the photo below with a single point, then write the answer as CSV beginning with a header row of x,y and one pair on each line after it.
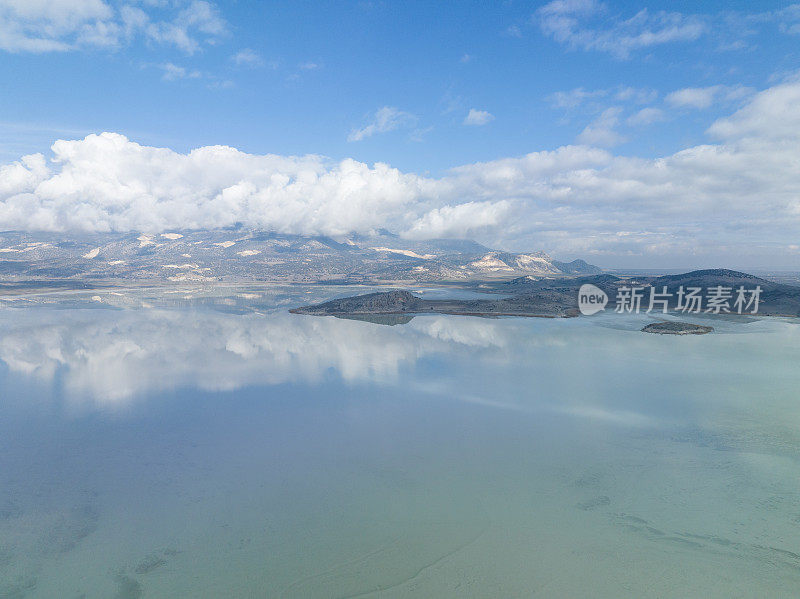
x,y
676,328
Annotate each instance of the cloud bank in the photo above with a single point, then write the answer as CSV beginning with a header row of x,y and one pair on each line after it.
x,y
739,195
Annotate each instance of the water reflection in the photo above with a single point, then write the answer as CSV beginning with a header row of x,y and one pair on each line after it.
x,y
265,453
112,356
130,346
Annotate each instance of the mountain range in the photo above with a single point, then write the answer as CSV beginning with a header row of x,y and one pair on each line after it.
x,y
237,255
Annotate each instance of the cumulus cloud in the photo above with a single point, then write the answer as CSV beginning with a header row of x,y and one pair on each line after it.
x,y
106,182
40,26
739,195
478,117
461,220
772,114
578,24
384,120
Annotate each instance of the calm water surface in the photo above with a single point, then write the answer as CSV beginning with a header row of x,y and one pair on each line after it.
x,y
205,443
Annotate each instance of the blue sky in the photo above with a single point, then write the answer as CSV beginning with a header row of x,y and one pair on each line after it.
x,y
423,87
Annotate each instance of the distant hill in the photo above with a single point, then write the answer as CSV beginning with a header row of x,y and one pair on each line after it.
x,y
577,267
775,298
236,254
712,276
530,284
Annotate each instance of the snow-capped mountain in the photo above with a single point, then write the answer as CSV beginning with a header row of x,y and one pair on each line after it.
x,y
236,254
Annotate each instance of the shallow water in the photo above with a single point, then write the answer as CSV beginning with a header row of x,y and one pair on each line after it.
x,y
206,443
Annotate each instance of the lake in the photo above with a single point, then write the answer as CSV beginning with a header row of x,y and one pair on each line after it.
x,y
203,442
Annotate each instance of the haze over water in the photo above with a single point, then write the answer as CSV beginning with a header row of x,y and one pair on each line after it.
x,y
208,443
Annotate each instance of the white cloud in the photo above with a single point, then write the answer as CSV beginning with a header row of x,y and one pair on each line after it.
x,y
198,19
478,117
637,95
579,96
773,114
574,97
574,23
787,19
692,97
701,98
577,200
22,176
419,134
40,26
105,182
646,116
461,220
173,72
46,26
247,58
602,131
385,119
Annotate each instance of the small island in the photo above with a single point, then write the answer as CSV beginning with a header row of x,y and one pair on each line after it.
x,y
677,328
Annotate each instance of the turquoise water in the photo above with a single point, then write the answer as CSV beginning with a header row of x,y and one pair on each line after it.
x,y
206,443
